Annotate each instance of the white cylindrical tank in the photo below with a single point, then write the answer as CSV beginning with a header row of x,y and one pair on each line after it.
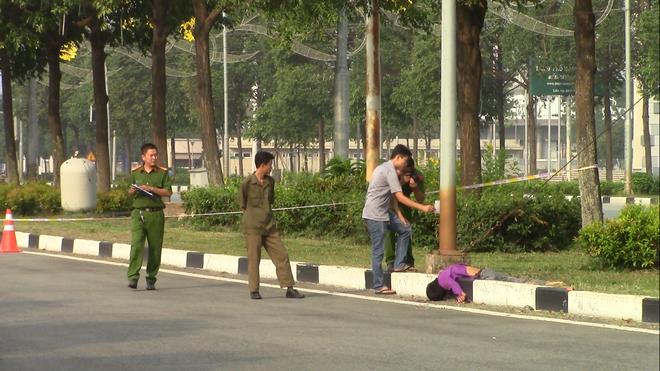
x,y
78,184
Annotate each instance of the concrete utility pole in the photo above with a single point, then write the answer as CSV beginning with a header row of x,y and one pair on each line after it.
x,y
628,129
225,137
32,132
341,114
373,142
448,254
569,153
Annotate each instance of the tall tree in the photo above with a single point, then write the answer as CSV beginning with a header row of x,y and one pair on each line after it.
x,y
204,22
8,113
98,39
647,64
585,35
471,17
610,59
166,15
62,24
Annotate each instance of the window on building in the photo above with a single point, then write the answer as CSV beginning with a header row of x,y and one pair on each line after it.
x,y
656,107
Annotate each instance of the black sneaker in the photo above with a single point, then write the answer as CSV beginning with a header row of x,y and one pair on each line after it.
x,y
132,284
294,294
151,286
255,295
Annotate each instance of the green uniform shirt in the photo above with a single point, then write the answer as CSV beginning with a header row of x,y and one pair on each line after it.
x,y
256,199
158,177
407,191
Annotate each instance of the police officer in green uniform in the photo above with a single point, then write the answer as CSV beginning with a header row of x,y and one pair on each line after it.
x,y
412,182
149,183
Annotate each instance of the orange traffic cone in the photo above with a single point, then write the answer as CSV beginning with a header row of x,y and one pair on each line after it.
x,y
9,235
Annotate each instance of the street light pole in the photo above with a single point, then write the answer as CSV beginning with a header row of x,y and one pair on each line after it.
x,y
225,137
628,125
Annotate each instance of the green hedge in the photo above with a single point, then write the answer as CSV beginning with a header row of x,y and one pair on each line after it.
x,y
33,198
40,198
627,242
547,222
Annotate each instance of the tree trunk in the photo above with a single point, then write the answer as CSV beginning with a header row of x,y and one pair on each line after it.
x,y
8,113
54,121
647,136
415,137
468,54
531,134
97,41
76,139
203,24
608,129
584,111
159,78
239,142
321,127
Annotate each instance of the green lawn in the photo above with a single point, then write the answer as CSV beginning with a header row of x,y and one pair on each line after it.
x,y
573,267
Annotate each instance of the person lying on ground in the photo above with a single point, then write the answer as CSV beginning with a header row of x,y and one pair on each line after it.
x,y
447,281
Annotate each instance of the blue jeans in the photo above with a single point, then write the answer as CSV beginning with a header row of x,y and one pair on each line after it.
x,y
377,232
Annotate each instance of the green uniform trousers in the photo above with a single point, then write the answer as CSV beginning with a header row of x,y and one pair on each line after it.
x,y
273,245
390,250
152,230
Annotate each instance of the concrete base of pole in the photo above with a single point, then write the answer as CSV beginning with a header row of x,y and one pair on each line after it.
x,y
436,262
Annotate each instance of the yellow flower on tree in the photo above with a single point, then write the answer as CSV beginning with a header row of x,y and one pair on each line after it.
x,y
68,51
187,30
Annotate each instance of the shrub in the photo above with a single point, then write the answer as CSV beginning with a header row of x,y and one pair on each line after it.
x,y
547,222
608,188
641,183
627,242
4,189
655,187
33,198
115,200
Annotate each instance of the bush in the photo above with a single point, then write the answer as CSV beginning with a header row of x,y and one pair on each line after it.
x,y
655,187
115,200
33,198
641,183
627,242
608,188
548,222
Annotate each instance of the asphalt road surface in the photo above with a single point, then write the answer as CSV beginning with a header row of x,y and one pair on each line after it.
x,y
58,313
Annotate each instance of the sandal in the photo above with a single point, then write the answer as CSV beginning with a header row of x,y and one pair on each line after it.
x,y
385,291
406,268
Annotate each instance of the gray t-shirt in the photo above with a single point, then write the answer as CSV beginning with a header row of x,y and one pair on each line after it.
x,y
384,183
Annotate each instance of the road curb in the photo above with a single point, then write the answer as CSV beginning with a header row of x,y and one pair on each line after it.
x,y
637,308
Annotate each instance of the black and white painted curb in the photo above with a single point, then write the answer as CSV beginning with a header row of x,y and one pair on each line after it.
x,y
636,308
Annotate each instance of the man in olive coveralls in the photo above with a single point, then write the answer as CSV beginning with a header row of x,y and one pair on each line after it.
x,y
149,182
256,195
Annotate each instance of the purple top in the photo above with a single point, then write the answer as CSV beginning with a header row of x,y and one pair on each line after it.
x,y
447,278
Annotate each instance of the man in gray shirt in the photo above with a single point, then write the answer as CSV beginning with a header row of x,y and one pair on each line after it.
x,y
376,213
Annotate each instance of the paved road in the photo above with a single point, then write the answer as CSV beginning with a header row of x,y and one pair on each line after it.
x,y
63,314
